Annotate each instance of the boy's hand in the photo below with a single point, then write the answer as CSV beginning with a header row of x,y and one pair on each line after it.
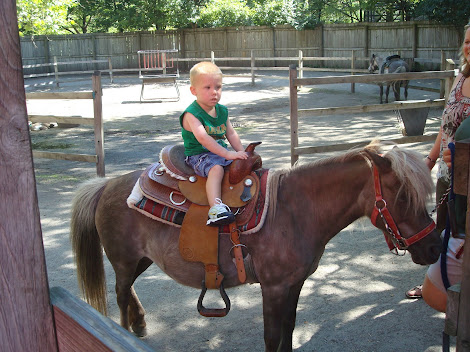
x,y
237,155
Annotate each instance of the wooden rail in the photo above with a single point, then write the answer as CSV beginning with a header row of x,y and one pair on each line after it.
x,y
57,73
295,113
301,61
79,327
96,121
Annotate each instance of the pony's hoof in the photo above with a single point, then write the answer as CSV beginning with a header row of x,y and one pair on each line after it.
x,y
140,331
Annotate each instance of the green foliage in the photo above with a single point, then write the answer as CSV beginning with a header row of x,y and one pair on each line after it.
x,y
84,16
271,13
451,12
225,13
42,16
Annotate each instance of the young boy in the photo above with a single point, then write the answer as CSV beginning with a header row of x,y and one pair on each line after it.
x,y
205,126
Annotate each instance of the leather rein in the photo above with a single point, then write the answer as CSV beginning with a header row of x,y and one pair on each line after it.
x,y
395,241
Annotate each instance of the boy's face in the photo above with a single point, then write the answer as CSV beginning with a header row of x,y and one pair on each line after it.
x,y
208,89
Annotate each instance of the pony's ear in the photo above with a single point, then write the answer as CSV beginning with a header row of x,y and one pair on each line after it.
x,y
382,163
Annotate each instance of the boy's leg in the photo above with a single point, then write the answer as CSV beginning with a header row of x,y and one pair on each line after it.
x,y
219,213
214,184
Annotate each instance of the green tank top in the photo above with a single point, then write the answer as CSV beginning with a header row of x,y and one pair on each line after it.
x,y
216,127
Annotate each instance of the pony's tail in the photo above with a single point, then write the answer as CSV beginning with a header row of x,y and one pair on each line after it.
x,y
86,245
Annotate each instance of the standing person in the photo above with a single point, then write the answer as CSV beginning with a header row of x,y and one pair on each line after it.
x,y
205,126
457,110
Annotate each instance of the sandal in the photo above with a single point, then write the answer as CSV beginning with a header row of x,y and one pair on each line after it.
x,y
415,292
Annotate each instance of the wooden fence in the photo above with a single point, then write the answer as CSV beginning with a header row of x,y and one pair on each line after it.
x,y
295,113
421,40
96,121
57,72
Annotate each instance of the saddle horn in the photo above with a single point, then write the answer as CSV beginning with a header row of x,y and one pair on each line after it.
x,y
241,168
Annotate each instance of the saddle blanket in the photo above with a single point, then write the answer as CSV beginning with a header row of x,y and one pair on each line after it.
x,y
171,216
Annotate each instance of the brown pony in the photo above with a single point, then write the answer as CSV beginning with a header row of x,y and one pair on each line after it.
x,y
308,206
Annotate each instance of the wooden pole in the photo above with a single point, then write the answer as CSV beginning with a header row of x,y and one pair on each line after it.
x,y
56,71
98,123
463,330
253,64
301,64
26,320
294,120
450,65
442,91
353,85
460,315
110,67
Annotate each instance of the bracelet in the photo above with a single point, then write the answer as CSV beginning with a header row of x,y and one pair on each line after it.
x,y
432,160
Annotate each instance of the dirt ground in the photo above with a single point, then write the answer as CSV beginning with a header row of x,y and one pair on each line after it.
x,y
355,301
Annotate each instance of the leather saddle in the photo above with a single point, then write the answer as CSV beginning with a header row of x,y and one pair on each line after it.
x,y
173,183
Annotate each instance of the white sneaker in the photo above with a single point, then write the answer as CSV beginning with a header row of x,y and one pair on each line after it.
x,y
219,214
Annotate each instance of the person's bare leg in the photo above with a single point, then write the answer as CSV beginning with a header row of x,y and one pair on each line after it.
x,y
433,296
214,184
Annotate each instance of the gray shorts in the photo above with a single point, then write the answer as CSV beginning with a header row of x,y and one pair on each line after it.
x,y
454,266
202,163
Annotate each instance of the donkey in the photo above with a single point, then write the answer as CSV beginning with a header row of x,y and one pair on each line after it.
x,y
391,64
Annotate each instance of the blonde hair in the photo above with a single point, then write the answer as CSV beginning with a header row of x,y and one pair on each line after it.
x,y
464,64
204,67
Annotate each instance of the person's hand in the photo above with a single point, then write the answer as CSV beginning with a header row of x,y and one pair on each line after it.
x,y
429,162
447,157
237,155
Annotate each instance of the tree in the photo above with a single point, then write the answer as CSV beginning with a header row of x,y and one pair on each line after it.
x,y
456,13
42,16
80,15
225,13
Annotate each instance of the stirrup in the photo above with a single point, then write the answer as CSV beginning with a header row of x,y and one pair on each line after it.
x,y
213,312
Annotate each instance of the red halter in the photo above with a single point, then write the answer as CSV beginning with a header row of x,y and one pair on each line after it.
x,y
395,241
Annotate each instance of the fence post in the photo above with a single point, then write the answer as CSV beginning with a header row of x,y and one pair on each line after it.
x,y
212,57
110,66
294,119
252,68
56,71
163,61
98,123
301,64
450,65
27,320
353,85
443,68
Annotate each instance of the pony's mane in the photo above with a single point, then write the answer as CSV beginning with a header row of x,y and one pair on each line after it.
x,y
408,165
413,174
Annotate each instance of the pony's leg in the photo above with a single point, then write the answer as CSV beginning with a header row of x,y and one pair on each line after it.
x,y
405,86
137,315
123,293
386,93
130,307
279,313
381,93
396,90
136,310
288,323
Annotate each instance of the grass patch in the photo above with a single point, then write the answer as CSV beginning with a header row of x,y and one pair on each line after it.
x,y
45,145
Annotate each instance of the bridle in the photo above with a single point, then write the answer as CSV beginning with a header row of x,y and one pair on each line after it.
x,y
395,241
